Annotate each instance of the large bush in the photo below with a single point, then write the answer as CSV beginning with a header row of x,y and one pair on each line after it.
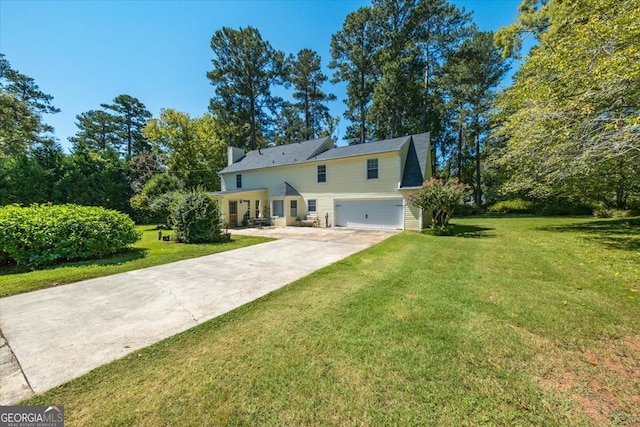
x,y
196,218
143,203
440,197
512,206
43,234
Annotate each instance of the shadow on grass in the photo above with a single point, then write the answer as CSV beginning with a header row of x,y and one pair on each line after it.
x,y
464,231
623,234
470,231
128,255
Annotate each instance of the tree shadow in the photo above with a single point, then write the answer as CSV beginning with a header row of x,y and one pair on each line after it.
x,y
464,231
470,231
622,234
128,255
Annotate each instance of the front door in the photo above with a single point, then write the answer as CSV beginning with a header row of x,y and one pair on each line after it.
x,y
233,213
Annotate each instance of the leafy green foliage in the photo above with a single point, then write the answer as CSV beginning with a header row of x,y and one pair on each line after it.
x,y
570,120
141,168
31,177
519,206
196,218
192,148
160,207
144,204
439,197
93,178
43,234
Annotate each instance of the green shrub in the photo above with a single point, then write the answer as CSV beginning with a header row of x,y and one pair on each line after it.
x,y
142,203
44,234
196,218
160,207
612,213
512,206
160,184
634,206
440,197
562,208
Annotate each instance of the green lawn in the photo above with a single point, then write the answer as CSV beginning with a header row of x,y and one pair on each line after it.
x,y
513,321
146,253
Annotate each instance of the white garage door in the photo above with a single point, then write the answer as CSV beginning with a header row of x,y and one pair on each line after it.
x,y
381,213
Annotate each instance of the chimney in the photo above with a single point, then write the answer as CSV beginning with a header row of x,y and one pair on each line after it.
x,y
234,154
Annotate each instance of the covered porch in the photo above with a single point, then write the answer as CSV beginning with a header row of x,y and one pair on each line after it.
x,y
244,207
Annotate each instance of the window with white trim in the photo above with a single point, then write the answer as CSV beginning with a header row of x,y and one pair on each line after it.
x,y
372,168
294,208
277,208
313,205
238,181
322,173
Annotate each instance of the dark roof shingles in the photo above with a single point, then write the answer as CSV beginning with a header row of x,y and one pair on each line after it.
x,y
277,156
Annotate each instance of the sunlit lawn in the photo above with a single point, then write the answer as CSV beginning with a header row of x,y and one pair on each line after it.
x,y
513,321
146,253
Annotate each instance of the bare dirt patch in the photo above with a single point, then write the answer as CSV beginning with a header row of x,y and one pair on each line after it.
x,y
602,381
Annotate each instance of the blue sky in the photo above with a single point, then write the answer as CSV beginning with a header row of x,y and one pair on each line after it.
x,y
85,53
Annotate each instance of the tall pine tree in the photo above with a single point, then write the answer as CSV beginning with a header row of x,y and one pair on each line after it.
x,y
307,79
245,68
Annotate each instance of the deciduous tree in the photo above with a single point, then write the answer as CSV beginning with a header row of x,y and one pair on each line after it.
x,y
190,147
572,116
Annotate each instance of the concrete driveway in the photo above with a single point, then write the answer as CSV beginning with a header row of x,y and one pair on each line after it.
x,y
54,335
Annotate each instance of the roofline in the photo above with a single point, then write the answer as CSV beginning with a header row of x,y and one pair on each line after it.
x,y
315,159
224,193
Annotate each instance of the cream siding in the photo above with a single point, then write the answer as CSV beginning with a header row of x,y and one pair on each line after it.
x,y
303,177
346,179
412,217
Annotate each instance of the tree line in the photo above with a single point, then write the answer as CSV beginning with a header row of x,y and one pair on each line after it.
x,y
566,129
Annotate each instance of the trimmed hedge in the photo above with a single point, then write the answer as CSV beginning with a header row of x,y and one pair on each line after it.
x,y
44,234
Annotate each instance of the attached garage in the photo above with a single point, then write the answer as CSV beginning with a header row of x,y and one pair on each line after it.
x,y
372,213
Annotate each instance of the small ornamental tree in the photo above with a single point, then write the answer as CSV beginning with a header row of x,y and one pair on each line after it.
x,y
195,217
440,197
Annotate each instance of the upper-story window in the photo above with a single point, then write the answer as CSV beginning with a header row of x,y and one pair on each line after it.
x,y
322,173
372,168
238,181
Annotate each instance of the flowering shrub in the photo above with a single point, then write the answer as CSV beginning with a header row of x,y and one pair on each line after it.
x,y
440,197
43,234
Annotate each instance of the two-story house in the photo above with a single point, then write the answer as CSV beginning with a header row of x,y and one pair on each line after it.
x,y
362,185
